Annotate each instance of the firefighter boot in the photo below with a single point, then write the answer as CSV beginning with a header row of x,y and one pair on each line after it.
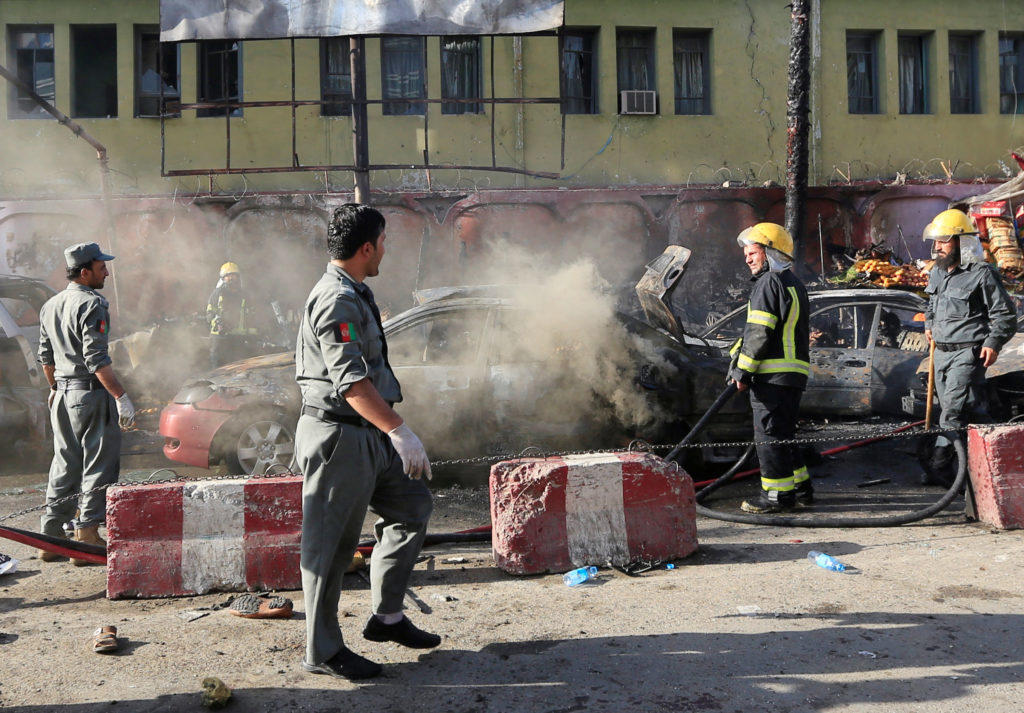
x,y
804,493
770,501
90,535
941,467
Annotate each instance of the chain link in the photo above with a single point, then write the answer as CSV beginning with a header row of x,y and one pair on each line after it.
x,y
531,452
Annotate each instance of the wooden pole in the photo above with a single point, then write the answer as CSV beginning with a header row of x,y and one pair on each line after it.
x,y
798,125
360,142
931,387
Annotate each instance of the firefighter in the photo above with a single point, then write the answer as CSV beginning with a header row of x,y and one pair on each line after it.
x,y
969,318
227,312
88,405
355,452
771,360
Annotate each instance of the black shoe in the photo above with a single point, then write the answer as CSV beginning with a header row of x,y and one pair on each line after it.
x,y
805,494
768,503
346,664
404,633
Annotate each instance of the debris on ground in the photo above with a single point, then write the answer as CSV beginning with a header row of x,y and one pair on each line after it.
x,y
193,614
8,565
104,640
215,694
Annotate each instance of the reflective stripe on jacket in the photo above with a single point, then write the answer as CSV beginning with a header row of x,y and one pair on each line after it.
x,y
775,344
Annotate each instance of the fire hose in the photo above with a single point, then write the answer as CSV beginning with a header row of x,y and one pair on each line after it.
x,y
789,521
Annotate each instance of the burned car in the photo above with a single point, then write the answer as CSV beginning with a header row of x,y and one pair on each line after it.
x,y
23,388
484,370
865,344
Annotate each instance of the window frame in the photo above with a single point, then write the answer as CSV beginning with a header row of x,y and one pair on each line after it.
x,y
908,105
137,92
973,104
14,98
411,106
329,97
873,56
649,33
202,53
589,103
704,37
77,93
1017,38
459,108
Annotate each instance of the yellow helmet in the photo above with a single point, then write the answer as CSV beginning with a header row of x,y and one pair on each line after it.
x,y
769,235
949,224
229,268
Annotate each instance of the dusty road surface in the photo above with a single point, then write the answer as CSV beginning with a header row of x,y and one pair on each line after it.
x,y
929,618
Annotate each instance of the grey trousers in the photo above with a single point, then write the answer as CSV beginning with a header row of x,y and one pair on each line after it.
x,y
347,469
86,455
960,388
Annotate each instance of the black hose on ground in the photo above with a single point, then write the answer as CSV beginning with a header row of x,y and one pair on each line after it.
x,y
777,520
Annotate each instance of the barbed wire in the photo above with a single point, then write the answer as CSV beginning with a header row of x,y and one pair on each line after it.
x,y
637,445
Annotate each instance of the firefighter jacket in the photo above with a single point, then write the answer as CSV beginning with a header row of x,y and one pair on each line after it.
x,y
774,348
969,304
226,312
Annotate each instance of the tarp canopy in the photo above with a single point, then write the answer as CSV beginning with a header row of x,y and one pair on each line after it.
x,y
184,20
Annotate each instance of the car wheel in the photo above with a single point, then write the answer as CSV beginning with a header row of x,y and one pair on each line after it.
x,y
259,442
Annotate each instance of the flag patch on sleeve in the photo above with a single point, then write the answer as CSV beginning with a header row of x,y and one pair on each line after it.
x,y
103,326
346,332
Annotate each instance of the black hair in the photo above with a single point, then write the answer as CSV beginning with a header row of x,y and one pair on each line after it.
x,y
73,273
352,225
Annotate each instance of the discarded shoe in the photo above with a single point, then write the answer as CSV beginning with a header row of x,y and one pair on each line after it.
x,y
768,503
249,606
346,664
104,640
404,632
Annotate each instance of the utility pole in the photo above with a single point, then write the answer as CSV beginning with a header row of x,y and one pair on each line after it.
x,y
360,142
798,124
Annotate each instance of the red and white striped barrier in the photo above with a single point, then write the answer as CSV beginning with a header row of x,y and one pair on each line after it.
x,y
172,539
995,457
553,514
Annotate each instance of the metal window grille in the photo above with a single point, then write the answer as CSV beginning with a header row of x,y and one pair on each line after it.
x,y
403,75
578,80
335,77
31,53
1011,73
963,74
912,74
862,72
461,75
691,65
220,76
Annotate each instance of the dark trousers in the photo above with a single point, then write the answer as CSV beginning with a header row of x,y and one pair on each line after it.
x,y
960,388
775,412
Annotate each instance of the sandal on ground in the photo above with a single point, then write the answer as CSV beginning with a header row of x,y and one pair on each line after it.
x,y
249,606
105,640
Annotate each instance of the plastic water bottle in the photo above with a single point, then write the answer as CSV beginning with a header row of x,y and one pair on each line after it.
x,y
579,576
827,561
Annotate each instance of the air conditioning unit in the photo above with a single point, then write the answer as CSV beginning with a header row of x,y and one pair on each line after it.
x,y
639,101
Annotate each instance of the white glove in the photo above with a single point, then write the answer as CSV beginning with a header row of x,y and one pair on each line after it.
x,y
410,449
125,411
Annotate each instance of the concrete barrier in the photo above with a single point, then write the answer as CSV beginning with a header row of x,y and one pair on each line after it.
x,y
553,514
188,538
995,457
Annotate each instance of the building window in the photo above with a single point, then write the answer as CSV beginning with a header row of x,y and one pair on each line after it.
x,y
579,80
335,77
220,75
862,72
403,68
963,73
635,60
691,63
460,74
30,52
1011,73
93,71
157,65
913,68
